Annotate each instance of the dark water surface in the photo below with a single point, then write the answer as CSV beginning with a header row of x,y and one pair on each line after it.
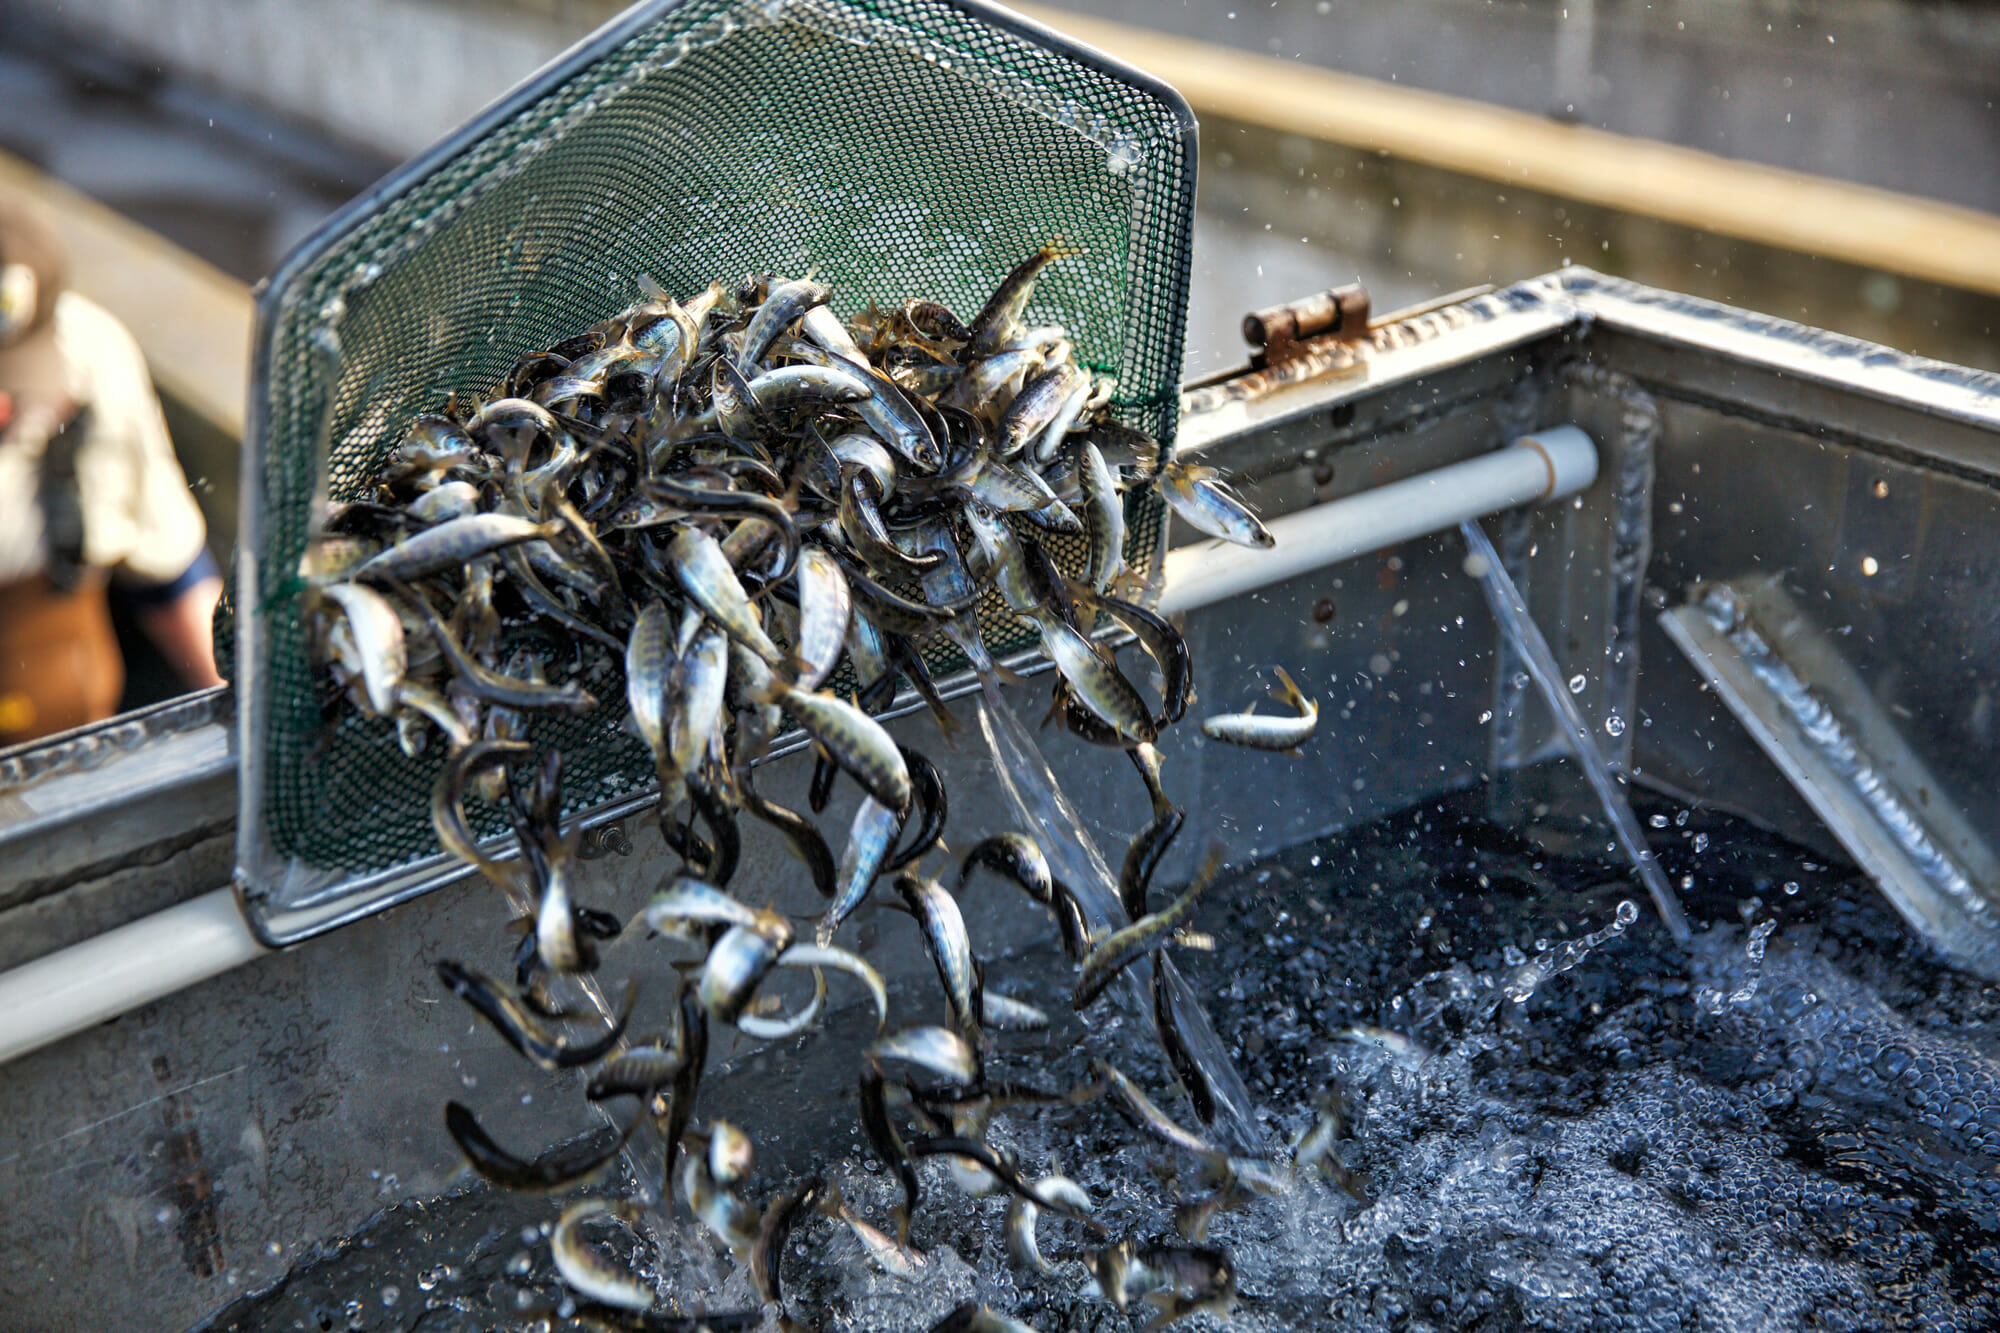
x,y
1794,1124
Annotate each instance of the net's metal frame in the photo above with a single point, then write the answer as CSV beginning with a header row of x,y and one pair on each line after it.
x,y
894,148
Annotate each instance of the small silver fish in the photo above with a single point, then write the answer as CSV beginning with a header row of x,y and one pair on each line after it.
x,y
782,1029
1103,517
786,304
791,387
897,1260
377,638
869,838
1261,732
1004,1013
1046,443
824,327
857,742
816,956
732,1221
696,715
737,964
586,1273
1037,405
691,900
648,666
421,700
452,499
825,606
939,1050
948,944
999,321
1022,1215
451,545
892,414
1406,1053
856,450
1113,953
730,1153
998,376
707,576
1203,502
1099,685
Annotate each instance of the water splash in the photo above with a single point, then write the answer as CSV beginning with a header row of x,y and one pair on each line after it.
x,y
1712,1001
1512,613
1528,974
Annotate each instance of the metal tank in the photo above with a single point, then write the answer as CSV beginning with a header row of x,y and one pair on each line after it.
x,y
1769,584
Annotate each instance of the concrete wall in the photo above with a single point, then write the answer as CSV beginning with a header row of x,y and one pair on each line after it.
x,y
1901,95
391,76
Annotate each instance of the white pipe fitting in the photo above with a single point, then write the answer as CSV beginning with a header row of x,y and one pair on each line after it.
x,y
1548,465
116,972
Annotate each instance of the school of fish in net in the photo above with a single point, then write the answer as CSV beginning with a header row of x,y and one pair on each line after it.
x,y
769,519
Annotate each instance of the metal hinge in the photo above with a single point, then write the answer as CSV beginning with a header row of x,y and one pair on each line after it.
x,y
1284,333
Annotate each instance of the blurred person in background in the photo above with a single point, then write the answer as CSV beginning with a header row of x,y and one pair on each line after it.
x,y
93,503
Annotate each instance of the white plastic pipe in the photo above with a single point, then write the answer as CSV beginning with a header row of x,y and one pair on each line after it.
x,y
116,972
1548,465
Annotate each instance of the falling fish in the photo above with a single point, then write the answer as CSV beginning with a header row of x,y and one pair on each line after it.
x,y
725,505
1200,498
1261,732
584,1270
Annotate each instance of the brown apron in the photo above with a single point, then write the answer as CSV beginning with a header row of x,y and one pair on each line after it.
x,y
59,662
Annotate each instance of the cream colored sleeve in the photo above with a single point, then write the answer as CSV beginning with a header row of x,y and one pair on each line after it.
x,y
138,514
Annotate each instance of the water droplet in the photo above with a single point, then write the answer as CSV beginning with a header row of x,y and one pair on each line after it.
x,y
1658,821
1701,842
1576,683
1614,725
390,1295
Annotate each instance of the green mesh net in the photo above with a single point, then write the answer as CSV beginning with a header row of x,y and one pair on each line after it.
x,y
890,148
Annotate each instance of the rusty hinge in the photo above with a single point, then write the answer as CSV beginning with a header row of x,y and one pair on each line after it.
x,y
1287,332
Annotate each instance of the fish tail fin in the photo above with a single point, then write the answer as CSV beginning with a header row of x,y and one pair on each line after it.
x,y
1129,585
1287,692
